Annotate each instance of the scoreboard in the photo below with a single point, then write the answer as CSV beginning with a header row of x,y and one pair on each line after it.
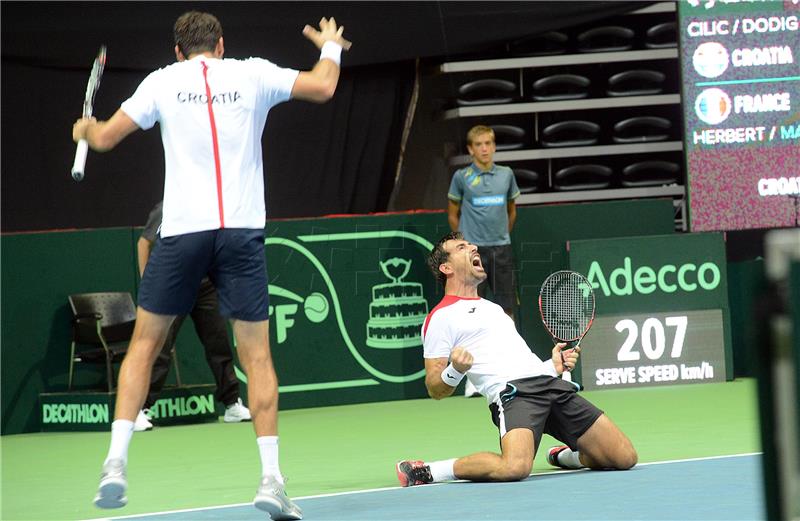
x,y
740,62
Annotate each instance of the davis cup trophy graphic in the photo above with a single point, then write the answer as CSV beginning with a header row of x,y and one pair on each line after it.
x,y
397,310
379,325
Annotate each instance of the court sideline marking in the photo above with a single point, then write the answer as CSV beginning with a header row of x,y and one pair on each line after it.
x,y
352,492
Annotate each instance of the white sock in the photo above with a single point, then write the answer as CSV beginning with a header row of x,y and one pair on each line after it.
x,y
570,459
121,433
442,470
268,448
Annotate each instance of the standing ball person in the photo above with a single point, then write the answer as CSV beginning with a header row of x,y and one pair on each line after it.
x,y
481,205
212,112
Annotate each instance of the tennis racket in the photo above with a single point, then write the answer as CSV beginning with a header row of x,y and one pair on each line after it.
x,y
566,303
88,105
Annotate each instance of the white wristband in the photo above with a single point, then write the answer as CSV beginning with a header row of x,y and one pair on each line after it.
x,y
451,377
332,51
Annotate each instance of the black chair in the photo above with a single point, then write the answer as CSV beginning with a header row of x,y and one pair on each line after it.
x,y
546,44
508,137
102,326
561,87
571,133
650,173
637,82
608,38
527,180
582,177
642,129
662,36
487,91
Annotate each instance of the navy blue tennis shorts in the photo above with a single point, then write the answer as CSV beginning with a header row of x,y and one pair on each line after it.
x,y
233,258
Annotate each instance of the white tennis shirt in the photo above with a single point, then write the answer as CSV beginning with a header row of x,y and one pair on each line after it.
x,y
212,152
482,327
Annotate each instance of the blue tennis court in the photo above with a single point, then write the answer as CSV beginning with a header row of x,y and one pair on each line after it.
x,y
720,488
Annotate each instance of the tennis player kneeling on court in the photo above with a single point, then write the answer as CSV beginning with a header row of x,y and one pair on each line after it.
x,y
466,335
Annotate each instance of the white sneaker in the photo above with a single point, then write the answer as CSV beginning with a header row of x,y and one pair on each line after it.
x,y
272,499
142,422
470,390
113,485
237,412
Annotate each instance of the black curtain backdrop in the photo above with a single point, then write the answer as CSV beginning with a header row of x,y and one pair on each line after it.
x,y
340,157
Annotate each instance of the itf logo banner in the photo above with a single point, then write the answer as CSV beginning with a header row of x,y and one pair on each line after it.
x,y
347,303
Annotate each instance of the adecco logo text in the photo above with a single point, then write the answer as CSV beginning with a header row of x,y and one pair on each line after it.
x,y
669,278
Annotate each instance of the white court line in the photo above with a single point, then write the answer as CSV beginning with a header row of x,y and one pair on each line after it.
x,y
333,494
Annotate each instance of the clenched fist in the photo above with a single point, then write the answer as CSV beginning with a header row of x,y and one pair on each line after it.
x,y
461,359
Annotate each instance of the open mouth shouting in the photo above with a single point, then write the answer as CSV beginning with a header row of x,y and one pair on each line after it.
x,y
476,262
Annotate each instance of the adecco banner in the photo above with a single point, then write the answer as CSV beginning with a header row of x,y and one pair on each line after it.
x,y
659,272
662,310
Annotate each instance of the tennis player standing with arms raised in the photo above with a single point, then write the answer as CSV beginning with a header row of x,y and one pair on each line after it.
x,y
212,113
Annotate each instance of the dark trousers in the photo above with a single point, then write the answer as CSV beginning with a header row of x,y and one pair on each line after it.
x,y
498,262
212,330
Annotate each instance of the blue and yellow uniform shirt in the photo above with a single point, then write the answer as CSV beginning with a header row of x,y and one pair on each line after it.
x,y
484,197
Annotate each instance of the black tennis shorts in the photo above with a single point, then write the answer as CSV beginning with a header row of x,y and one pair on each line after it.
x,y
498,262
544,404
233,258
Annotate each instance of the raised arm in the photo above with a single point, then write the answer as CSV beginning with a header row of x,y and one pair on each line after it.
x,y
102,136
319,84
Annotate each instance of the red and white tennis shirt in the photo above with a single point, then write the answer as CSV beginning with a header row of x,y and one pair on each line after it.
x,y
212,114
481,327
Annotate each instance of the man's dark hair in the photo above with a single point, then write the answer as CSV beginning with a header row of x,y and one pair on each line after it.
x,y
197,32
439,256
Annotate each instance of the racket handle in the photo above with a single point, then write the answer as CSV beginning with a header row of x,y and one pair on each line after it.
x,y
80,160
566,375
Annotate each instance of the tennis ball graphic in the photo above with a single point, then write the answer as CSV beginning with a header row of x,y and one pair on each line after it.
x,y
316,307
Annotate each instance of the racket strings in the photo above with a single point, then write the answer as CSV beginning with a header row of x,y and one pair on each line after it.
x,y
567,305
